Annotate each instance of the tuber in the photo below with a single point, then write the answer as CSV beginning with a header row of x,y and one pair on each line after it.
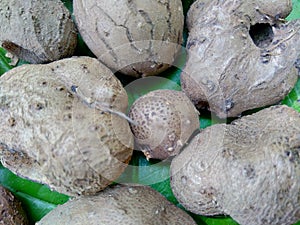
x,y
60,125
249,169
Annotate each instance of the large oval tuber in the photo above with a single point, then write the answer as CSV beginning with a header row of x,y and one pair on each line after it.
x,y
60,125
165,120
138,37
37,31
249,169
241,55
122,204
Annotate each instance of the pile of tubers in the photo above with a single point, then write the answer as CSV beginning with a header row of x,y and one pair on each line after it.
x,y
65,120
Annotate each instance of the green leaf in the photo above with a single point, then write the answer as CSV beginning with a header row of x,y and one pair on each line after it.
x,y
4,62
37,199
295,14
293,99
35,208
17,184
186,5
221,220
68,4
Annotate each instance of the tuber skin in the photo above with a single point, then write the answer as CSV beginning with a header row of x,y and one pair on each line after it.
x,y
249,169
57,127
241,55
137,38
37,31
121,204
11,211
165,121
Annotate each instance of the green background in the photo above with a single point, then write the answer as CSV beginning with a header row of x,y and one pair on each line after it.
x,y
38,199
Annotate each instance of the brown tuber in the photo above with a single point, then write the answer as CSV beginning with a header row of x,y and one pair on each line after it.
x,y
37,31
241,55
138,37
249,169
60,125
165,120
121,204
11,211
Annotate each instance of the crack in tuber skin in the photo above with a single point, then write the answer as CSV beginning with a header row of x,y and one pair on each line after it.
x,y
86,90
142,41
93,103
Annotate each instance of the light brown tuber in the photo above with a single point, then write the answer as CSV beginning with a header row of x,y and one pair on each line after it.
x,y
37,31
165,120
60,125
241,55
122,204
139,38
249,169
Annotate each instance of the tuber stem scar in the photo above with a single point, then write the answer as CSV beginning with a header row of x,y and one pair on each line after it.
x,y
122,115
94,104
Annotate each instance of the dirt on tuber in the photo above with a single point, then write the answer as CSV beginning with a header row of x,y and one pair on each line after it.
x,y
11,211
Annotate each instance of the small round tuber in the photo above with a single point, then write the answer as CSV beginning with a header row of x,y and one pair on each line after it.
x,y
165,121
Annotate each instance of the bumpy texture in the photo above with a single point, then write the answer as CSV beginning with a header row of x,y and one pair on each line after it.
x,y
37,31
11,211
121,204
249,169
241,54
165,121
57,127
138,37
